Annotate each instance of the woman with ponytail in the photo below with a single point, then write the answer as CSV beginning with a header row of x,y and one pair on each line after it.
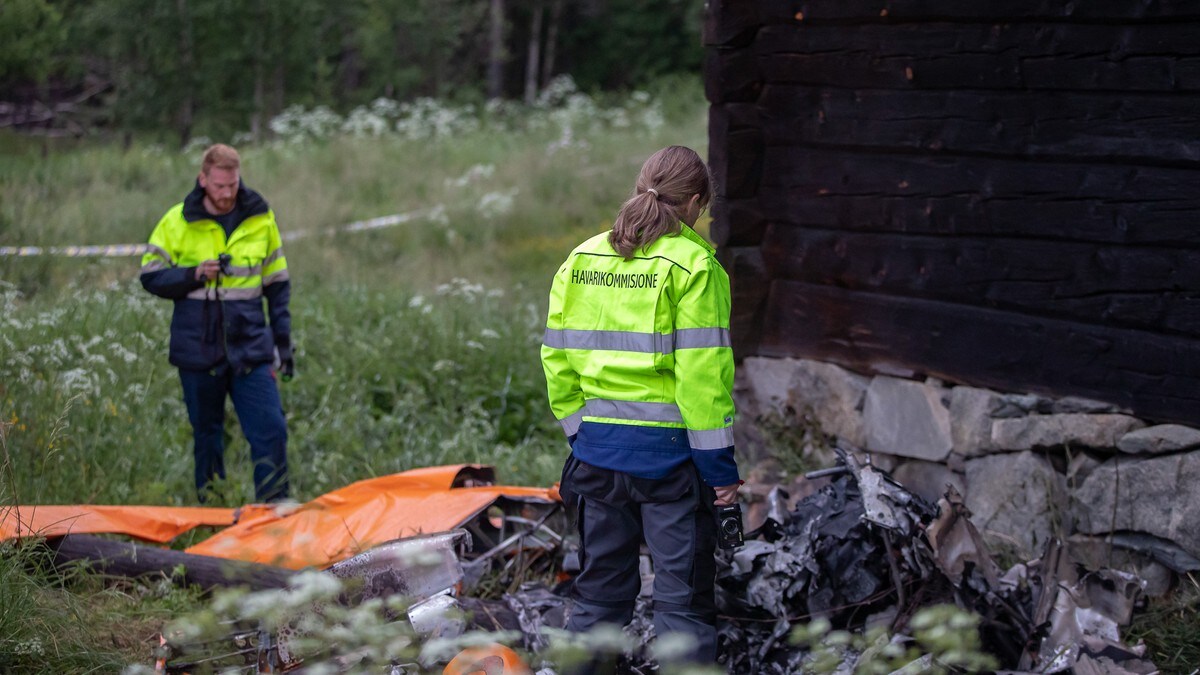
x,y
639,371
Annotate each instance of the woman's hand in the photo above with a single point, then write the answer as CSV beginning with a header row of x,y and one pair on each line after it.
x,y
727,494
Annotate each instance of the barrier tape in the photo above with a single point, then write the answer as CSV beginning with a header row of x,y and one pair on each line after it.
x,y
127,250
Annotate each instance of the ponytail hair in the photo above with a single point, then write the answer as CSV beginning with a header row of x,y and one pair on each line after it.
x,y
666,182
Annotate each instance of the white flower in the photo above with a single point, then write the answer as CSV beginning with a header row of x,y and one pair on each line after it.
x,y
495,204
126,355
364,122
79,380
197,144
437,215
474,174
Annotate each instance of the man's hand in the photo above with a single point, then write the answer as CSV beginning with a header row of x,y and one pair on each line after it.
x,y
285,362
287,368
207,270
727,494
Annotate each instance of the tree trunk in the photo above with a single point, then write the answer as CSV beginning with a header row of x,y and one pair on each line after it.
x,y
495,69
256,118
531,60
278,96
556,10
187,63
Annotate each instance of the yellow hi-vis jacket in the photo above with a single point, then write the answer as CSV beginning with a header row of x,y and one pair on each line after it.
x,y
221,320
637,356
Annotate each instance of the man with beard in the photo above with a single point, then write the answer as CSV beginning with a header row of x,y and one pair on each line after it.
x,y
218,255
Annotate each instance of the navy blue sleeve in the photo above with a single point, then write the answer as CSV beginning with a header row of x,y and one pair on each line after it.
x,y
718,468
279,294
172,283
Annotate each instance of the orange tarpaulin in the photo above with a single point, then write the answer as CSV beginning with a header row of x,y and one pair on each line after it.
x,y
151,523
362,515
332,527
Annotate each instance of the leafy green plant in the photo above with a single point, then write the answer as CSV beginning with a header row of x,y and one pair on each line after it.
x,y
944,639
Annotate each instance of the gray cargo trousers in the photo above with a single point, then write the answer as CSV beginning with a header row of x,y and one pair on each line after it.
x,y
675,517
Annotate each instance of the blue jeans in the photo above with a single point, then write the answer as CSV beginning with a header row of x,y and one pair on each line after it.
x,y
260,411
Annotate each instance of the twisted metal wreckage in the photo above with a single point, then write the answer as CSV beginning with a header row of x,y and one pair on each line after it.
x,y
862,550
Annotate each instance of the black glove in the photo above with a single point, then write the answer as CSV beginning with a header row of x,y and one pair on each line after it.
x,y
285,363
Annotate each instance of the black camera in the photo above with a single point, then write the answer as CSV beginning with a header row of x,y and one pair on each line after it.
x,y
224,261
729,526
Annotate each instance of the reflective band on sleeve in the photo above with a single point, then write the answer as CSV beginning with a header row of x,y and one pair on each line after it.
x,y
711,439
273,257
570,424
701,338
160,252
281,275
629,341
641,411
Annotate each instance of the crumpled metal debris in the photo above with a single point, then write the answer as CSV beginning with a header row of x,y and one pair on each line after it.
x,y
860,551
831,557
864,545
514,540
423,569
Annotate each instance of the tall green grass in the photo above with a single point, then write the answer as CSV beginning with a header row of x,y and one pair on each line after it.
x,y
417,344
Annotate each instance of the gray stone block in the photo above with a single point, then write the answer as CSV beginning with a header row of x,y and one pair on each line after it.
x,y
928,479
971,419
907,418
1155,495
1050,431
1159,439
827,394
1078,404
1016,499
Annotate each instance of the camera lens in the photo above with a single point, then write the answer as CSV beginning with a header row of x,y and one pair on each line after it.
x,y
729,526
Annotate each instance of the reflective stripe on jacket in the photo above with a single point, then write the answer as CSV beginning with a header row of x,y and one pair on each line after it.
x,y
644,344
222,319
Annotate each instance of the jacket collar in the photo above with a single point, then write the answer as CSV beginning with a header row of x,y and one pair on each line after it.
x,y
691,235
249,203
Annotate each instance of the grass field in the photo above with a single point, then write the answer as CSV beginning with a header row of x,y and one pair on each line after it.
x,y
417,344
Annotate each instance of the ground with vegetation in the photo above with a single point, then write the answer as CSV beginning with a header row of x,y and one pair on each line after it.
x,y
417,342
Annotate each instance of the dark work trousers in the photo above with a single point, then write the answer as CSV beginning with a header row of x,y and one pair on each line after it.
x,y
675,517
260,412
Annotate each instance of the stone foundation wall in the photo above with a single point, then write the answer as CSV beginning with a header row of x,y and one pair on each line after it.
x,y
1122,491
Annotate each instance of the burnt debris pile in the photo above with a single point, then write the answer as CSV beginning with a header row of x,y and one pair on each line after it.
x,y
863,551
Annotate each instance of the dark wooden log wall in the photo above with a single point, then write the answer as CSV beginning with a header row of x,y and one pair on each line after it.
x,y
1001,193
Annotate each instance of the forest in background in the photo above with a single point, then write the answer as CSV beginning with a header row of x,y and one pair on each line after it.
x,y
175,70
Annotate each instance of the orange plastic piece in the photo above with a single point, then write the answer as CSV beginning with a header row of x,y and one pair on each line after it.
x,y
333,527
493,659
150,523
360,516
